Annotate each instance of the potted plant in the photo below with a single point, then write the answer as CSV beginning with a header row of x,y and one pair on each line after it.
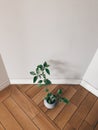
x,y
40,77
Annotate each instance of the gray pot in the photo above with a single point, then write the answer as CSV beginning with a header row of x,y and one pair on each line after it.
x,y
49,106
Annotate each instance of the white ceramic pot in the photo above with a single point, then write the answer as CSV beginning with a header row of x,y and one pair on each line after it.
x,y
49,106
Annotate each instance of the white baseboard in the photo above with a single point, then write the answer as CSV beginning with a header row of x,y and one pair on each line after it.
x,y
90,88
4,84
54,81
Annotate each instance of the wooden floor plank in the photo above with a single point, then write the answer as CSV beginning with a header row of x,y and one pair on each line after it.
x,y
24,87
5,93
33,91
1,127
54,112
43,123
19,115
76,86
82,111
24,103
40,96
93,113
69,92
68,127
85,126
8,120
62,87
96,127
79,96
65,115
42,106
22,108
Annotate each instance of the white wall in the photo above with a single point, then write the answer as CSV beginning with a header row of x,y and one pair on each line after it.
x,y
90,78
63,32
4,81
91,75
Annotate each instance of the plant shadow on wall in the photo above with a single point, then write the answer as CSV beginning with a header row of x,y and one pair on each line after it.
x,y
40,77
64,70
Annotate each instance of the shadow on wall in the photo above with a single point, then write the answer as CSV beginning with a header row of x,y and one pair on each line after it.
x,y
64,70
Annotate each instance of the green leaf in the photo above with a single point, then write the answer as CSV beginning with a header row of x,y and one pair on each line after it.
x,y
44,76
48,71
32,73
40,81
59,91
46,90
40,85
47,81
37,70
65,100
35,79
41,67
45,64
49,94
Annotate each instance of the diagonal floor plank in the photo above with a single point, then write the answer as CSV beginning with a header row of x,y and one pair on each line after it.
x,y
43,123
22,108
5,93
40,95
93,113
19,115
65,115
79,96
8,120
24,103
85,126
33,91
1,127
96,127
54,112
68,127
25,87
82,111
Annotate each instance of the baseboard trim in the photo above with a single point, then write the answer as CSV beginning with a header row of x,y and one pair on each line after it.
x,y
4,84
83,83
90,88
54,81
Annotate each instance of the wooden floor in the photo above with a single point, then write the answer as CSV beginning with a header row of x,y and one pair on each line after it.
x,y
21,108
